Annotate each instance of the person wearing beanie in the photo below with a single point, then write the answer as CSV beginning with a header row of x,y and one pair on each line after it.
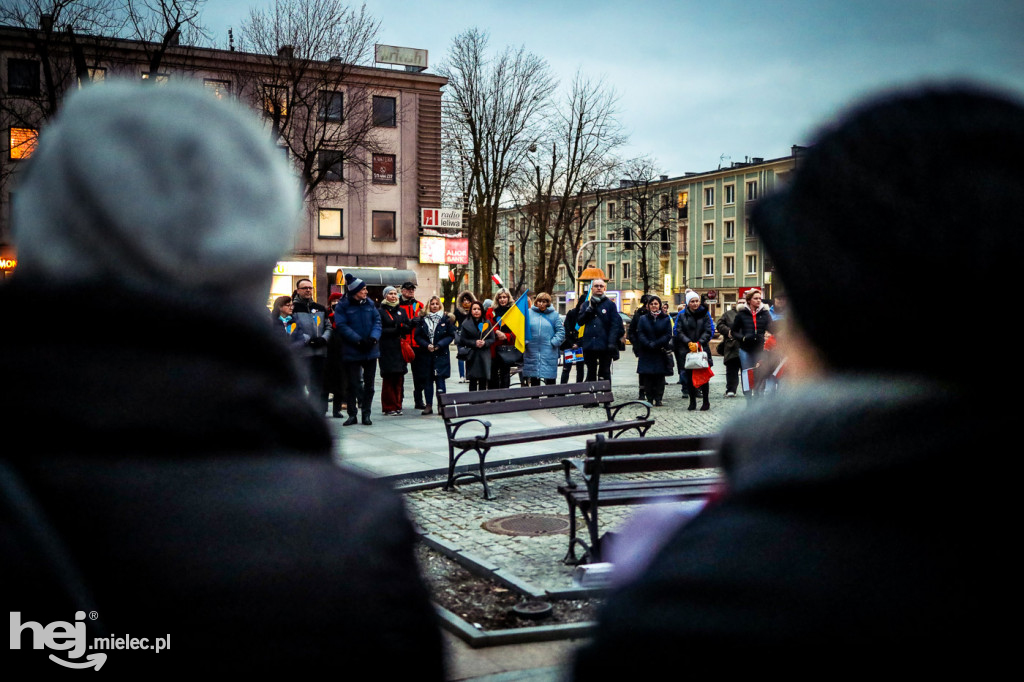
x,y
835,544
693,332
395,326
335,379
358,322
413,308
176,482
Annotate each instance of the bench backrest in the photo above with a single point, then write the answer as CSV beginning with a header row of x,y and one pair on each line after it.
x,y
506,400
653,453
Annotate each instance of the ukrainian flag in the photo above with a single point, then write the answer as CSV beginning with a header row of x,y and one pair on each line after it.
x,y
517,319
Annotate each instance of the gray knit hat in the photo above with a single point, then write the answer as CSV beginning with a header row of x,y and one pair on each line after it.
x,y
156,188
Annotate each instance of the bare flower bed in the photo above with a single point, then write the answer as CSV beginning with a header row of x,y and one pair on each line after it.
x,y
486,603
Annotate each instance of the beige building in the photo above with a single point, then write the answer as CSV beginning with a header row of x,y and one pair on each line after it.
x,y
365,141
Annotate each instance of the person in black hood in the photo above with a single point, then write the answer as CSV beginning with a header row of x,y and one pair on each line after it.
x,y
835,543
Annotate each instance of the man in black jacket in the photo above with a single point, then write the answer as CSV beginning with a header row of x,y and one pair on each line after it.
x,y
312,320
175,489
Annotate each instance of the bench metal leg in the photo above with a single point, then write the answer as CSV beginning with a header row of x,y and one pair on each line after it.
x,y
453,460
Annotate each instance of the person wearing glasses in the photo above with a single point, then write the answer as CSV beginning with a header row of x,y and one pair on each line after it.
x,y
311,318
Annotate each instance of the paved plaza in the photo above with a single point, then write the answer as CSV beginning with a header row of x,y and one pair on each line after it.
x,y
413,447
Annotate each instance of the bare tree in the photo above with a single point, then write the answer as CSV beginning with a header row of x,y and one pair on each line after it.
x,y
645,216
303,83
164,24
569,166
496,109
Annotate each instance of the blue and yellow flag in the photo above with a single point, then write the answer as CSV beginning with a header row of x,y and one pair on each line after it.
x,y
579,327
517,319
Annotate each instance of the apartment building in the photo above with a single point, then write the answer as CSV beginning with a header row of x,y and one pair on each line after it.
x,y
365,141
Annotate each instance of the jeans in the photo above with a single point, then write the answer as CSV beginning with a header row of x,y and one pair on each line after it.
x,y
428,389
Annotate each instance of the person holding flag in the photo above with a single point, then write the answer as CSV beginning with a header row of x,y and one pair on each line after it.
x,y
506,351
474,335
600,330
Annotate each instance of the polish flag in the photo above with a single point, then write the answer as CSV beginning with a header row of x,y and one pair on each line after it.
x,y
497,281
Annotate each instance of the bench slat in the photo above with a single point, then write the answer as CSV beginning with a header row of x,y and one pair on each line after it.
x,y
630,464
504,394
525,405
551,433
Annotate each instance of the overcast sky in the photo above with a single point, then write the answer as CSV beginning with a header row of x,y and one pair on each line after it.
x,y
700,79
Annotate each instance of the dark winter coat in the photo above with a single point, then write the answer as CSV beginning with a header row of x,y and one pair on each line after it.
x,y
358,322
834,535
394,324
694,327
436,365
201,502
478,364
729,348
602,326
295,339
631,331
653,335
750,331
571,333
311,319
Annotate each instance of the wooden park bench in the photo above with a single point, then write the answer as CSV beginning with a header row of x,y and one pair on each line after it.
x,y
465,409
606,457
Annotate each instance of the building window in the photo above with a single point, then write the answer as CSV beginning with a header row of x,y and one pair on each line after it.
x,y
611,271
22,143
331,164
384,170
331,107
384,111
625,271
709,266
730,266
665,201
383,226
730,230
709,197
611,210
22,77
752,264
748,229
709,232
275,100
217,88
158,78
561,273
682,204
730,194
627,208
331,226
752,190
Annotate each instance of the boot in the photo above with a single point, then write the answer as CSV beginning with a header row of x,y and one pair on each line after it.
x,y
428,410
351,420
704,406
693,402
366,419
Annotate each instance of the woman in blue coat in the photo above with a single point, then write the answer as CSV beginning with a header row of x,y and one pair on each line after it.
x,y
546,335
434,332
694,330
653,333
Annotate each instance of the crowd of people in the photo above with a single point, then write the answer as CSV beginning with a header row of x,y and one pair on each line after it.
x,y
343,346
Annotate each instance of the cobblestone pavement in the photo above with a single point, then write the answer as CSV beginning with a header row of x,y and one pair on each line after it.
x,y
457,516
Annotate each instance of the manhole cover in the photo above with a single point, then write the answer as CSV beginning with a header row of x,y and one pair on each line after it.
x,y
528,524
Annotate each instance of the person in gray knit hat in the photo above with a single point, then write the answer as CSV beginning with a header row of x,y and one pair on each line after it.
x,y
169,475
